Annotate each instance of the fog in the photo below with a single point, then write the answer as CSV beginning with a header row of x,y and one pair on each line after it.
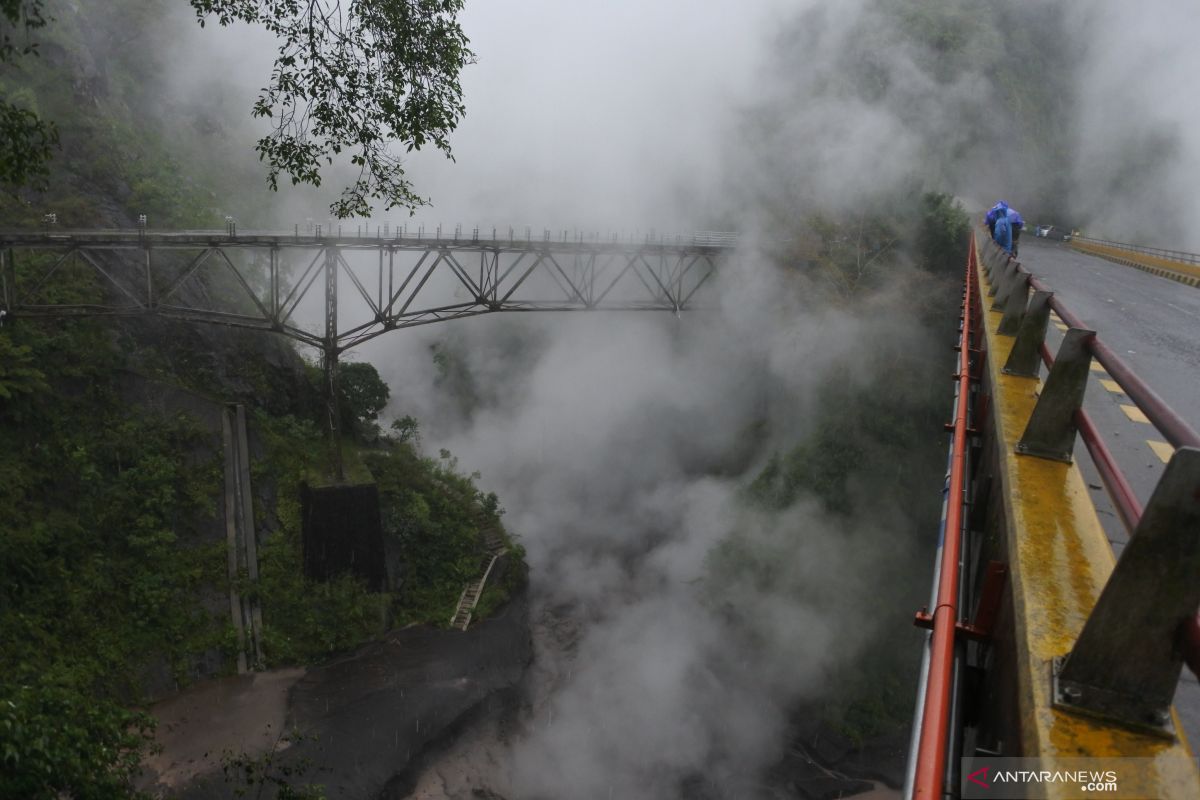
x,y
606,116
635,117
1138,137
621,445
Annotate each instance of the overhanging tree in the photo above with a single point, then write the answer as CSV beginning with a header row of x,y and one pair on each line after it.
x,y
364,394
352,79
26,141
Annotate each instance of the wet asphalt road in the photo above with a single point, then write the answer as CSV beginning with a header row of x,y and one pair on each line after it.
x,y
1153,323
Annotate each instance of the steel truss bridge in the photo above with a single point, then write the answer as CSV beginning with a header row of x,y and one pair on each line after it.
x,y
367,286
361,286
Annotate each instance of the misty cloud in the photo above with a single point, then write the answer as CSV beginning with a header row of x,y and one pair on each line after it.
x,y
621,445
1138,133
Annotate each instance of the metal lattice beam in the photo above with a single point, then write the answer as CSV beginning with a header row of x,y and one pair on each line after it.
x,y
264,281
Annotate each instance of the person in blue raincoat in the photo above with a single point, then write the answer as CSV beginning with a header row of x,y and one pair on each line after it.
x,y
1017,224
992,213
1005,225
1002,231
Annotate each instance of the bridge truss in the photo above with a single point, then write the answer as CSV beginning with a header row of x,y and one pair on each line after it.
x,y
336,292
366,286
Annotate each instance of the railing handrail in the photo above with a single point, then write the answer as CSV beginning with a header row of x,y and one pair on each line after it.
x,y
383,232
1181,256
1123,664
931,757
1173,427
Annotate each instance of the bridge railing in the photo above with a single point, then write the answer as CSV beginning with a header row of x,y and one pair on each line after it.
x,y
1181,256
416,234
1054,653
1166,420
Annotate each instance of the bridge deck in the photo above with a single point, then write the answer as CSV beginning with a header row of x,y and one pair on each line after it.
x,y
504,241
1058,563
1154,323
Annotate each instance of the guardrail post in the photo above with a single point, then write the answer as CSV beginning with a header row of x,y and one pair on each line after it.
x,y
995,258
1126,663
1025,358
999,288
995,278
1013,277
1014,304
1051,429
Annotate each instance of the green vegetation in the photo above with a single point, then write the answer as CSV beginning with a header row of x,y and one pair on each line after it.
x,y
103,564
109,576
26,141
113,566
345,84
941,242
866,461
91,84
379,72
512,578
264,773
434,516
363,396
56,740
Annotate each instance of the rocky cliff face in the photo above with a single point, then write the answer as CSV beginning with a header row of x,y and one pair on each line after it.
x,y
364,725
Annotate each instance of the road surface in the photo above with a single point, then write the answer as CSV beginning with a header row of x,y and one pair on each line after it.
x,y
1154,324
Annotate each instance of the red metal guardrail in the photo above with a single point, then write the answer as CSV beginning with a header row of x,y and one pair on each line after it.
x,y
932,753
933,738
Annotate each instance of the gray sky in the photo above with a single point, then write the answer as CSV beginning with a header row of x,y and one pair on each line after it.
x,y
596,115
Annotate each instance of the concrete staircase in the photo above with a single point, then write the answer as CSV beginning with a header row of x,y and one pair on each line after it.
x,y
494,547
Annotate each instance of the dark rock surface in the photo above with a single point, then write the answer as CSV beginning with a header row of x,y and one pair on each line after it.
x,y
822,763
368,718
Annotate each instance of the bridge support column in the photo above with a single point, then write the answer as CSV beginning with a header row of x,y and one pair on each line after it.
x,y
8,277
333,428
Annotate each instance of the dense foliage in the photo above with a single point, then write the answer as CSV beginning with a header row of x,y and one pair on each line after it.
x,y
108,578
101,564
354,80
942,234
56,740
433,515
26,140
364,395
97,81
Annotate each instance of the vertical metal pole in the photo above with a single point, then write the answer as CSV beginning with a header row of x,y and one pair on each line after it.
x,y
274,262
246,509
495,277
231,538
11,298
334,423
149,281
5,280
